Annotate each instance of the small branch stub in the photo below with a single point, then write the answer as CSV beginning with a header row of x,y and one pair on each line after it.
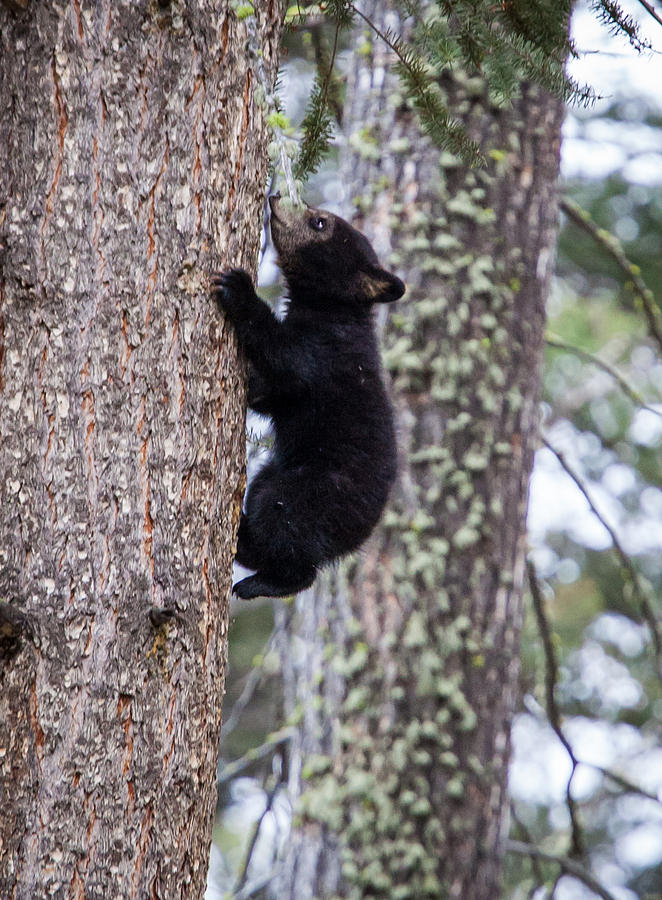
x,y
14,626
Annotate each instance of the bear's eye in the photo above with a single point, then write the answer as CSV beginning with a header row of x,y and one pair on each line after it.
x,y
318,223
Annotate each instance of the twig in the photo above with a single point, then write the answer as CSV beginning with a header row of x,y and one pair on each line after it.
x,y
553,714
625,386
271,793
535,863
273,107
624,783
569,866
329,73
633,576
253,887
257,673
237,766
252,681
559,876
316,124
609,243
429,105
650,10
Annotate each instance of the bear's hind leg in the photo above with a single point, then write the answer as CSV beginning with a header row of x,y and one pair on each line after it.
x,y
248,553
263,585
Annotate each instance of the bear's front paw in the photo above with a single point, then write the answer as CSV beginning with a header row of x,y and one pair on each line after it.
x,y
234,292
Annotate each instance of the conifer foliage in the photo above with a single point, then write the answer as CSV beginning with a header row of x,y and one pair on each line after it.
x,y
505,41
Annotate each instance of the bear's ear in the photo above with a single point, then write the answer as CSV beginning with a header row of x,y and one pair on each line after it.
x,y
380,286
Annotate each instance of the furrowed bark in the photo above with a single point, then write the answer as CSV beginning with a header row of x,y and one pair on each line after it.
x,y
132,164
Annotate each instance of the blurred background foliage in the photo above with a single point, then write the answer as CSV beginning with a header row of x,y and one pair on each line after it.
x,y
604,422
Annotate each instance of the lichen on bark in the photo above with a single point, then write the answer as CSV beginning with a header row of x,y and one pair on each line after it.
x,y
407,796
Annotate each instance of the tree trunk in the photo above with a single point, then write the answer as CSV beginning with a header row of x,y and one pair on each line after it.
x,y
408,721
132,164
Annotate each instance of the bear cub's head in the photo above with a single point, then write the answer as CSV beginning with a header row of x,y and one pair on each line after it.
x,y
326,261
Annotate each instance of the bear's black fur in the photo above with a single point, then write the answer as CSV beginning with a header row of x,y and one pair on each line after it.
x,y
317,374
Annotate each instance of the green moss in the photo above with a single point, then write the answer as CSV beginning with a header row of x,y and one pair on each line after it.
x,y
243,10
278,120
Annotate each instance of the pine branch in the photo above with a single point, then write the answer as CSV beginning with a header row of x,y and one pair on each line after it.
x,y
340,11
528,62
434,115
506,42
613,247
470,27
544,25
317,123
435,40
515,41
611,14
322,64
626,387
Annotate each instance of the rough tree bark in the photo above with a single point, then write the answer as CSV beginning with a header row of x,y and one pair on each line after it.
x,y
400,763
132,163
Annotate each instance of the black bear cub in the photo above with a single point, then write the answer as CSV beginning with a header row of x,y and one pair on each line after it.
x,y
317,374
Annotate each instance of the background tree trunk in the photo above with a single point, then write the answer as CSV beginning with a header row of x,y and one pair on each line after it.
x,y
400,763
132,164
